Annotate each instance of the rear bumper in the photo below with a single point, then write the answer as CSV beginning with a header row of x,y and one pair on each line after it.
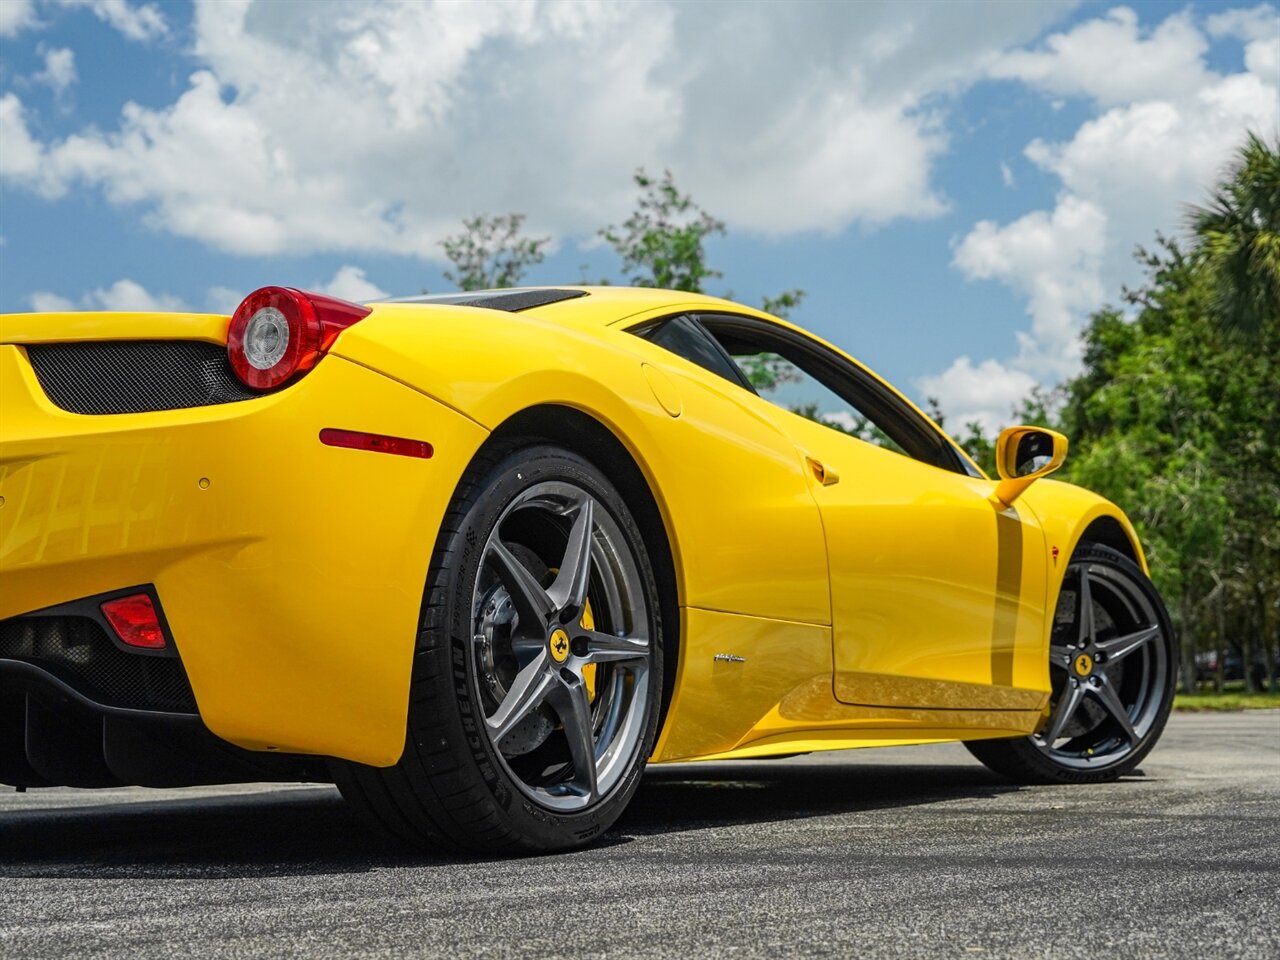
x,y
291,573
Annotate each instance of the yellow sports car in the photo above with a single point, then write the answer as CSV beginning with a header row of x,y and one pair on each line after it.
x,y
478,558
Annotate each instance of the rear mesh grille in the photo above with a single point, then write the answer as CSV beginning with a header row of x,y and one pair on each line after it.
x,y
78,652
135,376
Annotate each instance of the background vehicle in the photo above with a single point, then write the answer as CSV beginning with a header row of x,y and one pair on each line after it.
x,y
477,558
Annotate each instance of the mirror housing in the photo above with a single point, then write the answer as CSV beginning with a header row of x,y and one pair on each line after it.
x,y
1024,455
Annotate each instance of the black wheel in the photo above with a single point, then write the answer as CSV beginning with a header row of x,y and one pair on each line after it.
x,y
1111,660
537,681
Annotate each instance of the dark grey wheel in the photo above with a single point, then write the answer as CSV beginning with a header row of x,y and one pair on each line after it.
x,y
564,681
1111,668
538,677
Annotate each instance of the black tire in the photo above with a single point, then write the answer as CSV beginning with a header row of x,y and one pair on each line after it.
x,y
1083,739
453,788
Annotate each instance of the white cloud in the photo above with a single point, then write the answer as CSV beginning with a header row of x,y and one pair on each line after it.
x,y
16,16
126,295
1110,60
123,296
1053,259
59,69
378,127
44,302
1006,175
842,419
350,283
136,22
987,393
1164,128
23,159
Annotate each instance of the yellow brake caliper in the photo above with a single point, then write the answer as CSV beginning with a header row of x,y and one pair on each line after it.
x,y
588,622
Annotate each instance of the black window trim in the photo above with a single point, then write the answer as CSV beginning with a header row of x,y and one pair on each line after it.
x,y
877,402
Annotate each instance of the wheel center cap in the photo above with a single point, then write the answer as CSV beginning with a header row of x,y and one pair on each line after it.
x,y
558,645
1084,665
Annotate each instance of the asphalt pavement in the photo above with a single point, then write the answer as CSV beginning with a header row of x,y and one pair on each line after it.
x,y
905,852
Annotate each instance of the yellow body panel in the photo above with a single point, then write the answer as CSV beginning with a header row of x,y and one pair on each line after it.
x,y
292,579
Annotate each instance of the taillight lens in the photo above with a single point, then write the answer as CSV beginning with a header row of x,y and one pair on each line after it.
x,y
277,333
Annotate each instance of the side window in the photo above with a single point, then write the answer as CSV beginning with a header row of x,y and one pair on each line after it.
x,y
686,338
799,375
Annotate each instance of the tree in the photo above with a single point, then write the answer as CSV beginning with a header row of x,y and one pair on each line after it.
x,y
661,243
1238,237
491,252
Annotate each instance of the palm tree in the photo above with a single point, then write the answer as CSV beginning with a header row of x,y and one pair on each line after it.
x,y
1238,236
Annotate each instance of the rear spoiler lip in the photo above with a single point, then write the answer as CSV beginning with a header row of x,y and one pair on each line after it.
x,y
24,328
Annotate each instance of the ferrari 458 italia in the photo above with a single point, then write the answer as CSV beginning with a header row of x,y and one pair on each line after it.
x,y
479,558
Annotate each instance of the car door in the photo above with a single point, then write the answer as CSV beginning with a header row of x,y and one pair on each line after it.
x,y
937,590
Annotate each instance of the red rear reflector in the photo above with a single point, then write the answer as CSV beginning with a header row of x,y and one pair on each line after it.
x,y
135,621
376,443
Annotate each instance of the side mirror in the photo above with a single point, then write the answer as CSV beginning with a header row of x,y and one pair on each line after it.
x,y
1023,456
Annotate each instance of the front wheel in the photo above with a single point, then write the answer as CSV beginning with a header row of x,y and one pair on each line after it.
x,y
1111,668
537,681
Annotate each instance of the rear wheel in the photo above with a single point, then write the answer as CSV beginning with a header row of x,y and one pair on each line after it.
x,y
1111,667
537,679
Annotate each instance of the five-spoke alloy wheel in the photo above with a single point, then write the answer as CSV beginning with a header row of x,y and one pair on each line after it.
x,y
538,676
1111,668
564,682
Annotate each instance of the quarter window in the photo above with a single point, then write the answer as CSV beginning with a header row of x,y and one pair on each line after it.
x,y
686,338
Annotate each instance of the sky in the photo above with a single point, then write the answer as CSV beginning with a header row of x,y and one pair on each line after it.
x,y
956,185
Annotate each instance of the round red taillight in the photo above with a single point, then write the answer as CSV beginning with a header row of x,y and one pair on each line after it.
x,y
278,332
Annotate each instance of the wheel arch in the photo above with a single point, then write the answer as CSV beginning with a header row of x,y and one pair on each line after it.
x,y
1110,532
594,441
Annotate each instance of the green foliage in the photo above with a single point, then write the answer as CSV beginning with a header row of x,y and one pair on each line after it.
x,y
491,252
1238,236
1226,702
661,243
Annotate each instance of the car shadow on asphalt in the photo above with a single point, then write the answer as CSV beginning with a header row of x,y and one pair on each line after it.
x,y
310,831
694,796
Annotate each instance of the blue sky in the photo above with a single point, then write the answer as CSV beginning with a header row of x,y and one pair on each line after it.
x,y
956,186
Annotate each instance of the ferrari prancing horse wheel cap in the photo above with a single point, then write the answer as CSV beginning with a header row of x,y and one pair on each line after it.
x,y
558,644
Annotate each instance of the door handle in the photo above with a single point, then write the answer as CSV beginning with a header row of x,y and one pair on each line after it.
x,y
822,473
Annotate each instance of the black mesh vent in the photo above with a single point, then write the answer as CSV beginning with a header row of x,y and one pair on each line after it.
x,y
78,652
135,376
524,299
